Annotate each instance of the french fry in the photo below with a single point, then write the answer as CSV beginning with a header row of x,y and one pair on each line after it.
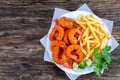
x,y
98,32
88,47
94,35
93,32
80,22
81,44
80,17
83,27
85,32
89,37
84,51
104,42
84,43
91,41
90,54
103,30
79,38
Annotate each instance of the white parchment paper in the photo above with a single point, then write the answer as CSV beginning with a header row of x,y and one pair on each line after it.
x,y
45,41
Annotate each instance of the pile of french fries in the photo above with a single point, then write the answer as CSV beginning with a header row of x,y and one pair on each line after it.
x,y
94,34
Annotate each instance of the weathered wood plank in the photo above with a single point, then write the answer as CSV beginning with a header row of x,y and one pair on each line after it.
x,y
24,22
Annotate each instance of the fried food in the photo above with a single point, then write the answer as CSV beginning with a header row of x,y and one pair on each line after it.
x,y
73,35
57,47
65,22
65,61
94,34
65,39
73,40
74,52
57,33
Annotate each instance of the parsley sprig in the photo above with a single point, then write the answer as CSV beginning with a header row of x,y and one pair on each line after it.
x,y
101,59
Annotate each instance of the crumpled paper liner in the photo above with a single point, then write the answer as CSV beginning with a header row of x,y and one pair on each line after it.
x,y
57,13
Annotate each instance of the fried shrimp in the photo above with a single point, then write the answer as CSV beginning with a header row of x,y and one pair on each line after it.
x,y
57,33
54,44
74,52
57,48
55,54
65,22
71,36
65,61
65,39
55,51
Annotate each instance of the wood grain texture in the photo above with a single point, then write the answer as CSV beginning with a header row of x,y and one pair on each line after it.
x,y
24,22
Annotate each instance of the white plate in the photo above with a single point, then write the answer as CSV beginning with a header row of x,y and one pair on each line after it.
x,y
74,15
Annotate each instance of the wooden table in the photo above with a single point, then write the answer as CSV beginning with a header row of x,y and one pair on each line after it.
x,y
24,22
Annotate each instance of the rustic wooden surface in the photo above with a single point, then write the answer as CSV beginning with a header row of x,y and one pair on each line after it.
x,y
24,22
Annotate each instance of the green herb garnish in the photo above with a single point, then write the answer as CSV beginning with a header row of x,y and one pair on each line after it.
x,y
101,59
